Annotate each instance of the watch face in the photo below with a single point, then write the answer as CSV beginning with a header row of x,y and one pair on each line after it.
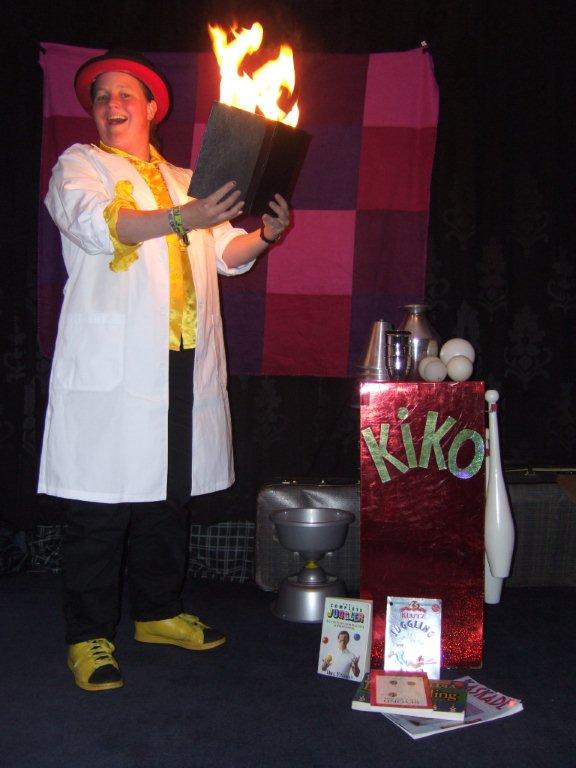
x,y
267,239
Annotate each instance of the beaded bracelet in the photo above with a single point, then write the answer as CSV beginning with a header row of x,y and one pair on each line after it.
x,y
177,225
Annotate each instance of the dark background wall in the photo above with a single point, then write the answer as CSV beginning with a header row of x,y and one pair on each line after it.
x,y
501,268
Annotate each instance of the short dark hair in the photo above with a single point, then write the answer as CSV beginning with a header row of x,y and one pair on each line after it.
x,y
344,632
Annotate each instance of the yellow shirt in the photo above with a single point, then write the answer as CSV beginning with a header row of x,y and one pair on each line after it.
x,y
182,293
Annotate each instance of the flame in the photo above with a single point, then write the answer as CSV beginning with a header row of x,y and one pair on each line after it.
x,y
267,85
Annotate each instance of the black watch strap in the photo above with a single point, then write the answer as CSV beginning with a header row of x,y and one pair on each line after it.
x,y
267,239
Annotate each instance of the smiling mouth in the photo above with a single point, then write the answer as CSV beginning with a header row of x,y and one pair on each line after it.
x,y
116,120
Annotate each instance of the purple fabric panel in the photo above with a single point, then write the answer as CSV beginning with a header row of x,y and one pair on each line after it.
x,y
253,281
390,252
331,88
329,176
176,142
243,315
60,64
180,69
389,271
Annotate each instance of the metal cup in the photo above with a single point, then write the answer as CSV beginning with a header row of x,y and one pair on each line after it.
x,y
372,364
398,355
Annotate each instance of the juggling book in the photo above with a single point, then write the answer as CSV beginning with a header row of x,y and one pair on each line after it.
x,y
448,699
483,705
361,698
401,693
412,640
262,156
346,638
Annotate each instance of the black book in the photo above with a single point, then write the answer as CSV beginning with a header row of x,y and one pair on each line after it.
x,y
262,156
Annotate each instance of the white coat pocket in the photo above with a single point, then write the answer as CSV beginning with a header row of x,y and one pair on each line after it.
x,y
90,352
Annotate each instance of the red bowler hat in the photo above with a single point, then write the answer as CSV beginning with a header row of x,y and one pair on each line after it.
x,y
124,61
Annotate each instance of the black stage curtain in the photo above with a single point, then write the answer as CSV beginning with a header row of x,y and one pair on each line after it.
x,y
501,249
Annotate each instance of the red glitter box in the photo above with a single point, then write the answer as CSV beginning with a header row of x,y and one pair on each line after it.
x,y
422,507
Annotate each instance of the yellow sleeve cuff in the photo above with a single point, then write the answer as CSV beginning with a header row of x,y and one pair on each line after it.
x,y
124,255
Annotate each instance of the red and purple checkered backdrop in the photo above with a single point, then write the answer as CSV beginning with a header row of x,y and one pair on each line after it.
x,y
357,249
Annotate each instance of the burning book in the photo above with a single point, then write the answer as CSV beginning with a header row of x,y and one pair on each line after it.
x,y
262,156
262,153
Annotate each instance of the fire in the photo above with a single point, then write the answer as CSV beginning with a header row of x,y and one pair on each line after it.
x,y
267,85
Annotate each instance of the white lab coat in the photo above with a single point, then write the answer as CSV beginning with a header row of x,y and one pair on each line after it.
x,y
106,432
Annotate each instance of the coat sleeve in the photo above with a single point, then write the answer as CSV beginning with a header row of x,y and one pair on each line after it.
x,y
76,199
223,234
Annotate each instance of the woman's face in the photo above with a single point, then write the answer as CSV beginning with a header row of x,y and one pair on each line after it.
x,y
122,112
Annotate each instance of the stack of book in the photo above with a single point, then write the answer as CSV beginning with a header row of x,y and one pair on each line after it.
x,y
423,707
418,703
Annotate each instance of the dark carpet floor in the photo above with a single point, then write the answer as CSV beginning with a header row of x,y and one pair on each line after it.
x,y
258,700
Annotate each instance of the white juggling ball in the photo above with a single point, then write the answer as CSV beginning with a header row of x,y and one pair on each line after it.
x,y
435,370
424,362
459,368
455,347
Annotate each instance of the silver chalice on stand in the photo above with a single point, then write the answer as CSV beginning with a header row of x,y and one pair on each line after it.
x,y
312,532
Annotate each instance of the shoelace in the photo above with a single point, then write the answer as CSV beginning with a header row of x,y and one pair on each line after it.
x,y
101,652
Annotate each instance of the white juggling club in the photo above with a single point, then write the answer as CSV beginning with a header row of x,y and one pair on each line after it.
x,y
499,534
492,584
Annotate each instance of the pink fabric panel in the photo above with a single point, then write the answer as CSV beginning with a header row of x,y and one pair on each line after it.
x,y
316,255
400,90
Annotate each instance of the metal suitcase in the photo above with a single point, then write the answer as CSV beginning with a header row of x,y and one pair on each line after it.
x,y
273,563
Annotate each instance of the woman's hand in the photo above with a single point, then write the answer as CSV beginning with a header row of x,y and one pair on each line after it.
x,y
136,226
274,226
222,205
248,247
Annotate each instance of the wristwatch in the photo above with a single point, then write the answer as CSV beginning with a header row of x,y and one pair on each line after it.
x,y
267,239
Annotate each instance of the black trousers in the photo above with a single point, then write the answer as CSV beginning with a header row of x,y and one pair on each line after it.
x,y
147,540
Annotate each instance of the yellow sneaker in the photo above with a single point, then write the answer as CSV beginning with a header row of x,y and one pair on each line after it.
x,y
93,665
185,630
